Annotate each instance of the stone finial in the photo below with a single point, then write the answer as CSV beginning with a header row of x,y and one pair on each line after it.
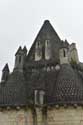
x,y
8,108
25,50
46,21
6,68
65,106
18,107
57,106
75,105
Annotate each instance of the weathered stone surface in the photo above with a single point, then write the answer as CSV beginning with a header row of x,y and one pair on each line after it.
x,y
14,117
69,116
62,116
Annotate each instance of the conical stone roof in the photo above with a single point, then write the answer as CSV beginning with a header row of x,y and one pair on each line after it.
x,y
69,86
47,32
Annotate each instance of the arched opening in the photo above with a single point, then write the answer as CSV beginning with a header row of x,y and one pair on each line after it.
x,y
64,53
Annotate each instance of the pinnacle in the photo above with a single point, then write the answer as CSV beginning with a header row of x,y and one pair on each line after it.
x,y
6,67
46,21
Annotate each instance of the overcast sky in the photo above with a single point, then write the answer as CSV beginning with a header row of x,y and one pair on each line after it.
x,y
20,21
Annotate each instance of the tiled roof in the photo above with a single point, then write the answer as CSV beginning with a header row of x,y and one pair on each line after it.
x,y
13,92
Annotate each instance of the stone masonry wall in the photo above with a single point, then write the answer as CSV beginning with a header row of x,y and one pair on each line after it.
x,y
13,117
61,116
68,116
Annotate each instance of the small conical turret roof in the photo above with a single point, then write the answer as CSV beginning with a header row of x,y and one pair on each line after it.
x,y
19,50
25,49
6,68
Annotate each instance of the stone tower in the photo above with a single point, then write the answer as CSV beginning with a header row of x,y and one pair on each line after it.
x,y
73,54
19,58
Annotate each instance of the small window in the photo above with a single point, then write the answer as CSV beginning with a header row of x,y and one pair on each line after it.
x,y
64,53
38,44
47,42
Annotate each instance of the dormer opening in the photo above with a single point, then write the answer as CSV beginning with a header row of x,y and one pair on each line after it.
x,y
47,49
38,51
39,97
63,55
